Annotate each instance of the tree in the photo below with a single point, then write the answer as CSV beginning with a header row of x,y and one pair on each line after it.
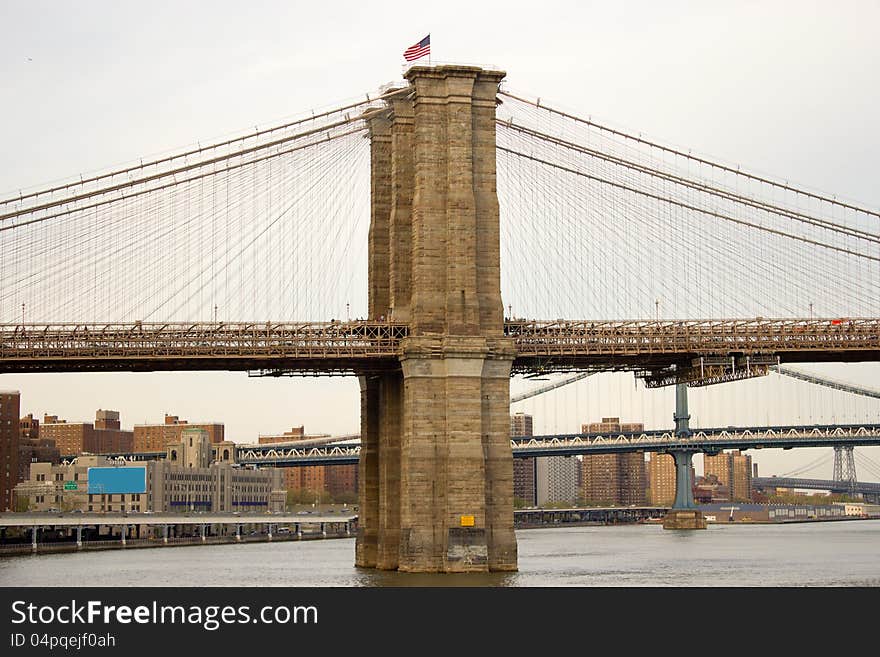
x,y
347,497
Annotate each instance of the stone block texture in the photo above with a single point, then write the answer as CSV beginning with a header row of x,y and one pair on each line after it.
x,y
436,465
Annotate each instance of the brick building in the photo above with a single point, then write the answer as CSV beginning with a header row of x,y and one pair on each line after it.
x,y
733,469
613,478
10,408
75,438
661,479
339,481
156,437
38,450
29,427
188,479
524,470
32,448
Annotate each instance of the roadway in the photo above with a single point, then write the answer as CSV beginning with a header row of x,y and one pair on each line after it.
x,y
712,349
864,487
149,519
710,440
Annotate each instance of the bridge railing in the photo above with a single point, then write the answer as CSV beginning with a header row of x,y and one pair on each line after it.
x,y
772,437
635,337
352,346
300,339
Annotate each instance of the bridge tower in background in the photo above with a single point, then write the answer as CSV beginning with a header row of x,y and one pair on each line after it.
x,y
436,465
845,468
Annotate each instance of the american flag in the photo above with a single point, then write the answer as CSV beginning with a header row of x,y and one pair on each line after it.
x,y
420,49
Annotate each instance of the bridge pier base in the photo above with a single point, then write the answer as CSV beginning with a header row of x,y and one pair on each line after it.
x,y
684,513
34,539
457,474
79,537
436,471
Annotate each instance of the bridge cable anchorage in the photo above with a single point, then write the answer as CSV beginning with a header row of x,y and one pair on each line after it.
x,y
690,207
336,110
738,171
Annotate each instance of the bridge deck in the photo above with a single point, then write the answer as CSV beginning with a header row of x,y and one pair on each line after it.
x,y
345,347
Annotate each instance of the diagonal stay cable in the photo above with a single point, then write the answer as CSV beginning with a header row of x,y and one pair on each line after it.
x,y
691,207
183,169
202,149
708,189
182,181
689,156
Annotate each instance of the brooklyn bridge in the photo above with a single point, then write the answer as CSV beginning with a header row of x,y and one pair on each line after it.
x,y
434,239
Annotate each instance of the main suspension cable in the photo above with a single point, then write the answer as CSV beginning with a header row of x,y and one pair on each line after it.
x,y
689,156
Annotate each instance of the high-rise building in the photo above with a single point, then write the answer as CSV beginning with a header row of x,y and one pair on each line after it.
x,y
307,478
556,479
521,425
10,407
734,470
523,469
341,481
71,438
600,479
156,437
32,448
661,479
75,438
613,478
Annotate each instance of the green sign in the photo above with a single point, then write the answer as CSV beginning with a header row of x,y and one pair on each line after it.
x,y
70,485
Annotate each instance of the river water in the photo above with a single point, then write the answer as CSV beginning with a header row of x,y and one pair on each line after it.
x,y
808,554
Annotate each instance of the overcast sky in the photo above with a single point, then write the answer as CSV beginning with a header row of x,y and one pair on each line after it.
x,y
781,88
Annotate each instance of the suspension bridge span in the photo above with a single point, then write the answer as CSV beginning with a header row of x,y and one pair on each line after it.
x,y
242,254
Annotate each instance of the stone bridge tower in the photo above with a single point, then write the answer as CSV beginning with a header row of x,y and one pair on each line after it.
x,y
436,469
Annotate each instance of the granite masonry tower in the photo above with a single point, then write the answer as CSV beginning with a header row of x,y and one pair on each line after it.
x,y
436,478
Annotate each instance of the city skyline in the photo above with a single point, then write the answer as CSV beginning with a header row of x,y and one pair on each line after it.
x,y
752,85
771,462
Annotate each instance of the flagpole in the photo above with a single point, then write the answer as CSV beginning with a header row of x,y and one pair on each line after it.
x,y
429,48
